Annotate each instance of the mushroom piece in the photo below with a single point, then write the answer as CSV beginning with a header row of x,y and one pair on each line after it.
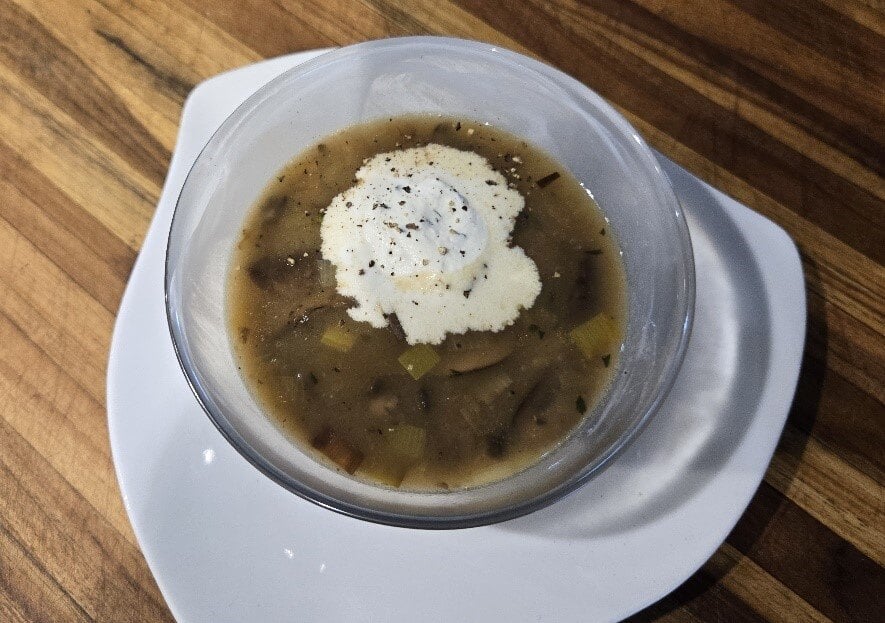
x,y
479,357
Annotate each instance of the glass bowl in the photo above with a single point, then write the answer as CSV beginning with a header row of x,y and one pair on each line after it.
x,y
457,78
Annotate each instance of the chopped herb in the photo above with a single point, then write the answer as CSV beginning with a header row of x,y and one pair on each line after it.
x,y
548,179
580,405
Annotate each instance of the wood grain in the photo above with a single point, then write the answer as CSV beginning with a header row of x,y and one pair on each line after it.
x,y
781,105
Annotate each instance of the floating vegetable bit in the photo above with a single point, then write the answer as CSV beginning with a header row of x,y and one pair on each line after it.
x,y
595,337
400,449
419,360
338,451
338,338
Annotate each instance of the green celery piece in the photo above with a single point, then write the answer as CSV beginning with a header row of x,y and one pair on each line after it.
x,y
338,338
596,336
418,360
400,449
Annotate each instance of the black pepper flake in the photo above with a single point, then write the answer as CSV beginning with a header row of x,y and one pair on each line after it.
x,y
580,405
402,203
491,182
464,208
466,293
457,126
602,231
407,189
594,252
606,360
411,226
281,178
362,271
371,263
548,179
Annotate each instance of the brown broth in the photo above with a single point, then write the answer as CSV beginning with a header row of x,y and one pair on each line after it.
x,y
482,419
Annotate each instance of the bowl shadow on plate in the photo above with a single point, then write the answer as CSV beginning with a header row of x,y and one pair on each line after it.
x,y
710,407
701,591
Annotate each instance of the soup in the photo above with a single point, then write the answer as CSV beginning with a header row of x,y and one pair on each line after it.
x,y
407,398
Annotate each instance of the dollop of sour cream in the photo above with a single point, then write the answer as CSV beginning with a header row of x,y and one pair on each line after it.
x,y
425,234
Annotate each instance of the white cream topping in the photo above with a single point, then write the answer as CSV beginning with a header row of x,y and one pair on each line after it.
x,y
425,234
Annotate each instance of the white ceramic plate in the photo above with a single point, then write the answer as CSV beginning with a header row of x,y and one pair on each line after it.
x,y
227,544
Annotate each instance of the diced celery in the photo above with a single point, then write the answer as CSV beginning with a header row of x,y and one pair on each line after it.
x,y
418,360
399,450
596,336
338,338
406,441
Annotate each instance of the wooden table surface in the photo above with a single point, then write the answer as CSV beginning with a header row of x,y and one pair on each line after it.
x,y
779,104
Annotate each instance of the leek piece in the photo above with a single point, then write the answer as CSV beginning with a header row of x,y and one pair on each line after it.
x,y
338,338
595,336
419,360
399,450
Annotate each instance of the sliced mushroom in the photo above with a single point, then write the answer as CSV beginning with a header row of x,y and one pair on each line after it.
x,y
382,406
485,355
539,398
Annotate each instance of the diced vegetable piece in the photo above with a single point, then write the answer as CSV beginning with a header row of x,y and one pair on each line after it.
x,y
400,449
596,336
494,386
338,451
338,338
484,355
407,441
419,360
